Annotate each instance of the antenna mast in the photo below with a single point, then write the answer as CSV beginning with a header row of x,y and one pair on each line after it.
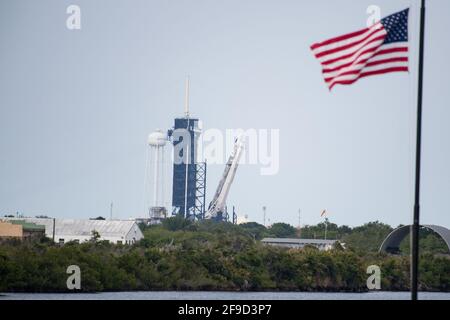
x,y
186,99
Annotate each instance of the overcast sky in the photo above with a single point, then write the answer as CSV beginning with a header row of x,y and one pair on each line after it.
x,y
76,107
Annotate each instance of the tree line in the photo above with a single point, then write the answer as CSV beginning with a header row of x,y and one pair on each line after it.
x,y
206,255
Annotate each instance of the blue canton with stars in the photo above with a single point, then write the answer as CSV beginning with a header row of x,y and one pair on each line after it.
x,y
396,26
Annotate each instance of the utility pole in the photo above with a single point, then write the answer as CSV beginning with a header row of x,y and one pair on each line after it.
x,y
264,215
299,224
416,222
53,231
111,211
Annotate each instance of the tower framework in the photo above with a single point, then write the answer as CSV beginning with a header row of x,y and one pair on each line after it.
x,y
189,175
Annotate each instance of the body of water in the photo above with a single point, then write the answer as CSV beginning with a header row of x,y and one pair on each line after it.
x,y
177,295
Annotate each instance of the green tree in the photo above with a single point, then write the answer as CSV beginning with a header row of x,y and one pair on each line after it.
x,y
256,230
283,230
367,238
176,223
95,236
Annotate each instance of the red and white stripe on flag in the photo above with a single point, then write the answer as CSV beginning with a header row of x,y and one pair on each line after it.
x,y
381,49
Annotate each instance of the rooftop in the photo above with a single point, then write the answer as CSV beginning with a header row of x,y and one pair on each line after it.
x,y
106,228
299,241
28,225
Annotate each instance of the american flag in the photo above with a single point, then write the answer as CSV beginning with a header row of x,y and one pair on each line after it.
x,y
380,49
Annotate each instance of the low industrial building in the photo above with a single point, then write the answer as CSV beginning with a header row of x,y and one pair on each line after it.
x,y
21,230
71,230
9,230
30,231
322,245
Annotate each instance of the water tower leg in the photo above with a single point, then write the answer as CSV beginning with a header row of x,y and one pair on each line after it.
x,y
162,185
155,182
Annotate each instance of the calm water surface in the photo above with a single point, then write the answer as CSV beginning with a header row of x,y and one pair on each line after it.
x,y
173,295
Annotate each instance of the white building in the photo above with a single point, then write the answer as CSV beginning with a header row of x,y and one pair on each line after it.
x,y
66,230
322,245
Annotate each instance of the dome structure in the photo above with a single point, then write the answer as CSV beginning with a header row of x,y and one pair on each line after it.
x,y
392,243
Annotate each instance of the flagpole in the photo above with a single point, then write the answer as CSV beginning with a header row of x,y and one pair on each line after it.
x,y
416,225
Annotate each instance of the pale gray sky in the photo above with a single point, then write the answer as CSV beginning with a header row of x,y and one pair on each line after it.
x,y
76,106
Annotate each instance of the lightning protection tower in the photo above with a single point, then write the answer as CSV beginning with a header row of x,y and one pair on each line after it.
x,y
189,175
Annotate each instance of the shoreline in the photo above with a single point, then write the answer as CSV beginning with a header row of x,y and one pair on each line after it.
x,y
183,296
5,293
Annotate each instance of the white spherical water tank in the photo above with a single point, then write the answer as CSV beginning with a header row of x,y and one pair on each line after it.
x,y
157,139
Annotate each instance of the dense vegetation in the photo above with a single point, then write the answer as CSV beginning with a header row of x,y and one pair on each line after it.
x,y
181,255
